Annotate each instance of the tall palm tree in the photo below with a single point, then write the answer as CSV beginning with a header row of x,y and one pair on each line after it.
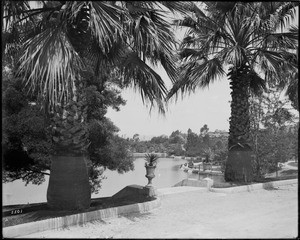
x,y
244,38
61,44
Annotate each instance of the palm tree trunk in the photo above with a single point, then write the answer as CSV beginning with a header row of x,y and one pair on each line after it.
x,y
239,161
68,187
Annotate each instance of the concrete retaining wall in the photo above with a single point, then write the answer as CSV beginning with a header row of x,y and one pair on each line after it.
x,y
253,187
205,183
142,155
77,219
168,192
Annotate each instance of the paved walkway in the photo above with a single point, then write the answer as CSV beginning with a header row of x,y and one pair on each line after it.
x,y
198,214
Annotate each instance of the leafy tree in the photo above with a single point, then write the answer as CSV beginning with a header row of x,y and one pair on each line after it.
x,y
177,137
175,149
66,40
272,142
243,37
136,137
204,130
159,140
192,144
27,145
209,155
205,137
106,149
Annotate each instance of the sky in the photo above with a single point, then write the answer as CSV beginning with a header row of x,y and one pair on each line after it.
x,y
206,106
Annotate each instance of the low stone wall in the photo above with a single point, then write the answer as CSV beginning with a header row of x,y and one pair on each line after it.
x,y
205,183
207,166
142,155
77,219
256,186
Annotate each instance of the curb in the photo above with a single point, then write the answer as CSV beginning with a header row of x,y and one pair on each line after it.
x,y
77,219
166,192
256,186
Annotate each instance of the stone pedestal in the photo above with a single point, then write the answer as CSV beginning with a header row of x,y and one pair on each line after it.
x,y
135,192
150,191
208,182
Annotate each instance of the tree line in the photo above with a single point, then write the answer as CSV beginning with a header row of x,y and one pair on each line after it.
x,y
181,144
68,57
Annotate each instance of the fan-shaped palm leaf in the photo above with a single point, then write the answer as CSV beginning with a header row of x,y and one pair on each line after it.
x,y
137,73
243,36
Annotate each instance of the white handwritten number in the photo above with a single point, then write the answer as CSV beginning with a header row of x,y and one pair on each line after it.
x,y
16,211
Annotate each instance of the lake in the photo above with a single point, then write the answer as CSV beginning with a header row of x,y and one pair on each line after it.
x,y
167,174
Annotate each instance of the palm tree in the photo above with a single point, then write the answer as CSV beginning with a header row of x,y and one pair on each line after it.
x,y
61,43
243,37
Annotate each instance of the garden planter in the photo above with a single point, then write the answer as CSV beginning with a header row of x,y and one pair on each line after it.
x,y
239,165
68,187
150,174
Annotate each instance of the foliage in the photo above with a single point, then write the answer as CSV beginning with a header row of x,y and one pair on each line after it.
x,y
27,145
136,137
209,155
199,145
175,149
192,143
273,131
177,137
61,43
243,37
159,140
220,158
181,144
65,38
151,159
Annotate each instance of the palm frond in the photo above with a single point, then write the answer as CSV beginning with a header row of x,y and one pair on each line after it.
x,y
285,13
197,74
191,53
48,61
292,89
257,84
274,61
286,40
99,60
13,11
153,40
105,23
177,6
138,74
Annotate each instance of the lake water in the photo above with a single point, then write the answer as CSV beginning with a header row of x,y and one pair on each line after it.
x,y
167,174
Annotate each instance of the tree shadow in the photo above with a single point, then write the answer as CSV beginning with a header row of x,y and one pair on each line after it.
x,y
136,216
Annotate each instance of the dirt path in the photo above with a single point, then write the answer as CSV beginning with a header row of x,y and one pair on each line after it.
x,y
257,214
